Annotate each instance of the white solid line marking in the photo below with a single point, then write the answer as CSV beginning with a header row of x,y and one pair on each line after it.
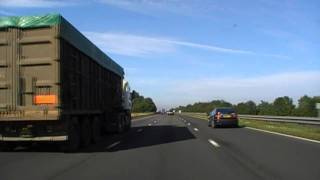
x,y
113,145
286,135
143,118
213,143
139,130
196,129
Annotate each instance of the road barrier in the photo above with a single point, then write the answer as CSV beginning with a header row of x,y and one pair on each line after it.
x,y
289,119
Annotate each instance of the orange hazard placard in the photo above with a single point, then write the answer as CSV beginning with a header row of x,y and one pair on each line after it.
x,y
45,99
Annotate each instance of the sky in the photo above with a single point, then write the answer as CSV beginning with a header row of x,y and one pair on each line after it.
x,y
184,51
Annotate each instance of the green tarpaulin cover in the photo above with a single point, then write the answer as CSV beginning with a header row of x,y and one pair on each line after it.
x,y
67,32
30,21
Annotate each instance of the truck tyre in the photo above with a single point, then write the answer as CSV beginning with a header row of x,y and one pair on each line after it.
x,y
7,146
120,123
73,142
128,122
85,132
96,132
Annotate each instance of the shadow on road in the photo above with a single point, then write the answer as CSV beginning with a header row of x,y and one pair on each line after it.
x,y
137,137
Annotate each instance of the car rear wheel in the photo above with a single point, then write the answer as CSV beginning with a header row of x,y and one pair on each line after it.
x,y
210,124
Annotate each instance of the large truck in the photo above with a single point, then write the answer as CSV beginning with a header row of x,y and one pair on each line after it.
x,y
56,85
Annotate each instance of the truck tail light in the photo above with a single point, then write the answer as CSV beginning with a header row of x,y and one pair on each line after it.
x,y
45,99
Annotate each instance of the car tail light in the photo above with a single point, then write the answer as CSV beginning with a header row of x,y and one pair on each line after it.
x,y
218,115
234,115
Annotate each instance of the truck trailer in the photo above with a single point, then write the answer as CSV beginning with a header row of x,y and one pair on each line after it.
x,y
57,86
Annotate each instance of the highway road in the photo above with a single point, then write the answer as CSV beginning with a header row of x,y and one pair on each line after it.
x,y
171,147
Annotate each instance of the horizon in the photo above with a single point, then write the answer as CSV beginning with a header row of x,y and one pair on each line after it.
x,y
183,52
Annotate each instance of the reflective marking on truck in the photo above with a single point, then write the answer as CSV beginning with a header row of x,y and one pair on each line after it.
x,y
45,99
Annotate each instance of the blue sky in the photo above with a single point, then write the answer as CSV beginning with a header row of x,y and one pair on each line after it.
x,y
185,51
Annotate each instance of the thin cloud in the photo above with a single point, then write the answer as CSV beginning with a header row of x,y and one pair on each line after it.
x,y
6,13
186,7
237,89
133,45
130,45
34,3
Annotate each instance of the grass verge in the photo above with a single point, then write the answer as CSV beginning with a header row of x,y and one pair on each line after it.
x,y
300,130
140,115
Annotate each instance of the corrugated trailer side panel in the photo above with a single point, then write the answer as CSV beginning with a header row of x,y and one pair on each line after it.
x,y
29,73
50,71
5,60
86,86
32,83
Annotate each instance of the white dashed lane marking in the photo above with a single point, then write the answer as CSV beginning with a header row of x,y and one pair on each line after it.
x,y
196,129
212,142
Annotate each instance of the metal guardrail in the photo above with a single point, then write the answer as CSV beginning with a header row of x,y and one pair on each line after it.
x,y
289,119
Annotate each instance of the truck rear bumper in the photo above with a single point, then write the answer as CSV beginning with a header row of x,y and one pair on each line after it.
x,y
34,139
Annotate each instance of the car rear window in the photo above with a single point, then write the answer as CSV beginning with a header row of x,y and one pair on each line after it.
x,y
226,111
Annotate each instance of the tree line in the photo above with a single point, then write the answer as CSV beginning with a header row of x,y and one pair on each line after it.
x,y
281,106
142,104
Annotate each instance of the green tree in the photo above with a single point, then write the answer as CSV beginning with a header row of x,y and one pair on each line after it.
x,y
248,107
283,106
150,106
204,107
134,95
141,104
307,106
265,108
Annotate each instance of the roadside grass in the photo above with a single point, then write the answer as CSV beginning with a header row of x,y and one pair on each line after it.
x,y
140,115
295,129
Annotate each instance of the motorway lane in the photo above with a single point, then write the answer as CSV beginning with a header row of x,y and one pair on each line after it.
x,y
171,147
267,155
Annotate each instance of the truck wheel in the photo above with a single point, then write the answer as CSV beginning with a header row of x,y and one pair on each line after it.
x,y
128,122
85,132
120,124
73,142
96,130
7,146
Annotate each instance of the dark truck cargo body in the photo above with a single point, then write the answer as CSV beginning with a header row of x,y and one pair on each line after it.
x,y
55,85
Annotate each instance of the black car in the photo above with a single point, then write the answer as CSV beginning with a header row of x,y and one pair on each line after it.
x,y
223,117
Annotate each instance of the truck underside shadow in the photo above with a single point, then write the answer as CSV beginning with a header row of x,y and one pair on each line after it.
x,y
137,137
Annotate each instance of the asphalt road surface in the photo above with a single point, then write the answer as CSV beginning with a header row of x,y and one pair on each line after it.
x,y
171,147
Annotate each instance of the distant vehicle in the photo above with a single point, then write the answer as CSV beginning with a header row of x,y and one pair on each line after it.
x,y
170,113
223,117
